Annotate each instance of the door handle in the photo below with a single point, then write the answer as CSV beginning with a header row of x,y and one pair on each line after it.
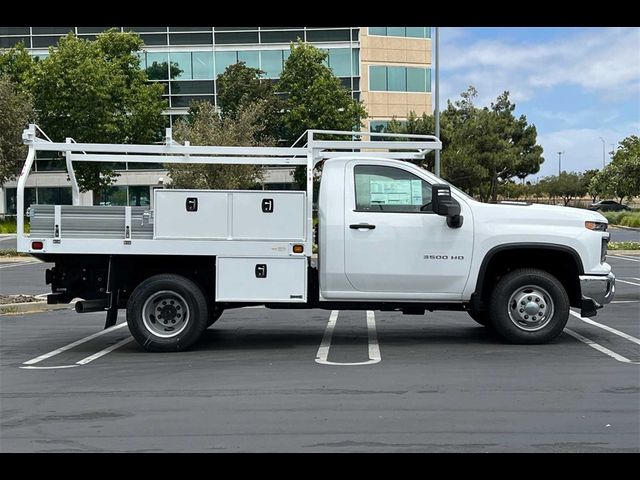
x,y
358,226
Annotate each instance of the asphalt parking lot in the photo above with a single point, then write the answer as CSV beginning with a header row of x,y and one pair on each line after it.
x,y
281,380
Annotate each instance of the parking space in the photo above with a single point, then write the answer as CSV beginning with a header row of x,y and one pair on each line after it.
x,y
273,380
25,278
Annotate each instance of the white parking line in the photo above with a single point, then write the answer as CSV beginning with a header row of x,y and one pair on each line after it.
x,y
53,353
606,327
599,347
102,353
627,282
626,258
374,348
49,368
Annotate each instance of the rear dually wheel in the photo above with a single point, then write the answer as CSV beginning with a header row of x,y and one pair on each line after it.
x,y
167,312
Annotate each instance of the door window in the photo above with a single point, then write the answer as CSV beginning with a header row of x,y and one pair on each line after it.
x,y
390,189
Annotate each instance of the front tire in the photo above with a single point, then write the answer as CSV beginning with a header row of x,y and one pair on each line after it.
x,y
167,313
529,306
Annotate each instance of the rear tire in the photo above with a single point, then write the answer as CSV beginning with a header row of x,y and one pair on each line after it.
x,y
482,317
167,313
529,306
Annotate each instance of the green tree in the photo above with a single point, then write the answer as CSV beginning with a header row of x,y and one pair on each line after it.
x,y
93,91
482,147
315,98
587,176
19,67
622,176
570,185
205,126
16,110
239,86
626,168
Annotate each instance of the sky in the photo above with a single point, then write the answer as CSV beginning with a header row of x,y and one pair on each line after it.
x,y
575,84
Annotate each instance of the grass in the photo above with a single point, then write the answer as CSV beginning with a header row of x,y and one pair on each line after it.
x,y
624,246
12,253
626,219
8,225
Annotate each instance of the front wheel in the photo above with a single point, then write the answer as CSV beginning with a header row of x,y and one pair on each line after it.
x,y
529,306
167,312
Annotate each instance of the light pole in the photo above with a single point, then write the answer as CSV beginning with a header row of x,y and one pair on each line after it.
x,y
560,162
437,94
602,151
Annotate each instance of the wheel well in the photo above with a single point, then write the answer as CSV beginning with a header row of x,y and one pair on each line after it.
x,y
200,270
564,264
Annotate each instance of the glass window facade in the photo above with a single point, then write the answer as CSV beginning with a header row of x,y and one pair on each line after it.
x,y
378,78
399,79
411,32
39,196
271,63
202,64
185,59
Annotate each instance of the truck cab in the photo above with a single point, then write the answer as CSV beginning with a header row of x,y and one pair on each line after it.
x,y
391,236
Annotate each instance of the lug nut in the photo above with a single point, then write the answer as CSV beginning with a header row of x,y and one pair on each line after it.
x,y
522,310
541,305
533,318
529,298
523,302
537,300
526,316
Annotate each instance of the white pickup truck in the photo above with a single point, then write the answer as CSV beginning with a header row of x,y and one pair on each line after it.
x,y
391,236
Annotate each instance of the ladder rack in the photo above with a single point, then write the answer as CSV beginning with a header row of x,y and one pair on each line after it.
x,y
408,147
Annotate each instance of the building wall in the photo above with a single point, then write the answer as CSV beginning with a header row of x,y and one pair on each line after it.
x,y
393,51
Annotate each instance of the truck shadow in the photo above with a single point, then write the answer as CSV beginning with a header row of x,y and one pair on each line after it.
x,y
269,338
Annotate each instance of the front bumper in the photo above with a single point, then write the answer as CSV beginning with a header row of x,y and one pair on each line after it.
x,y
597,291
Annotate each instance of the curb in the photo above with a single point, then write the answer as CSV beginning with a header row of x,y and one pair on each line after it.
x,y
633,253
624,227
19,260
32,307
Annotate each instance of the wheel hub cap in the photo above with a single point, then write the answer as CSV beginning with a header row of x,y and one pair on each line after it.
x,y
165,314
530,308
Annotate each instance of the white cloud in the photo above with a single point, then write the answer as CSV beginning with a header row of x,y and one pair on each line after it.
x,y
606,60
603,63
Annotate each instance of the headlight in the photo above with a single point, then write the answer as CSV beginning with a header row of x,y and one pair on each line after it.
x,y
597,226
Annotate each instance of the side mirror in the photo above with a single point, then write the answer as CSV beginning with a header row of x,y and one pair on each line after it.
x,y
445,205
